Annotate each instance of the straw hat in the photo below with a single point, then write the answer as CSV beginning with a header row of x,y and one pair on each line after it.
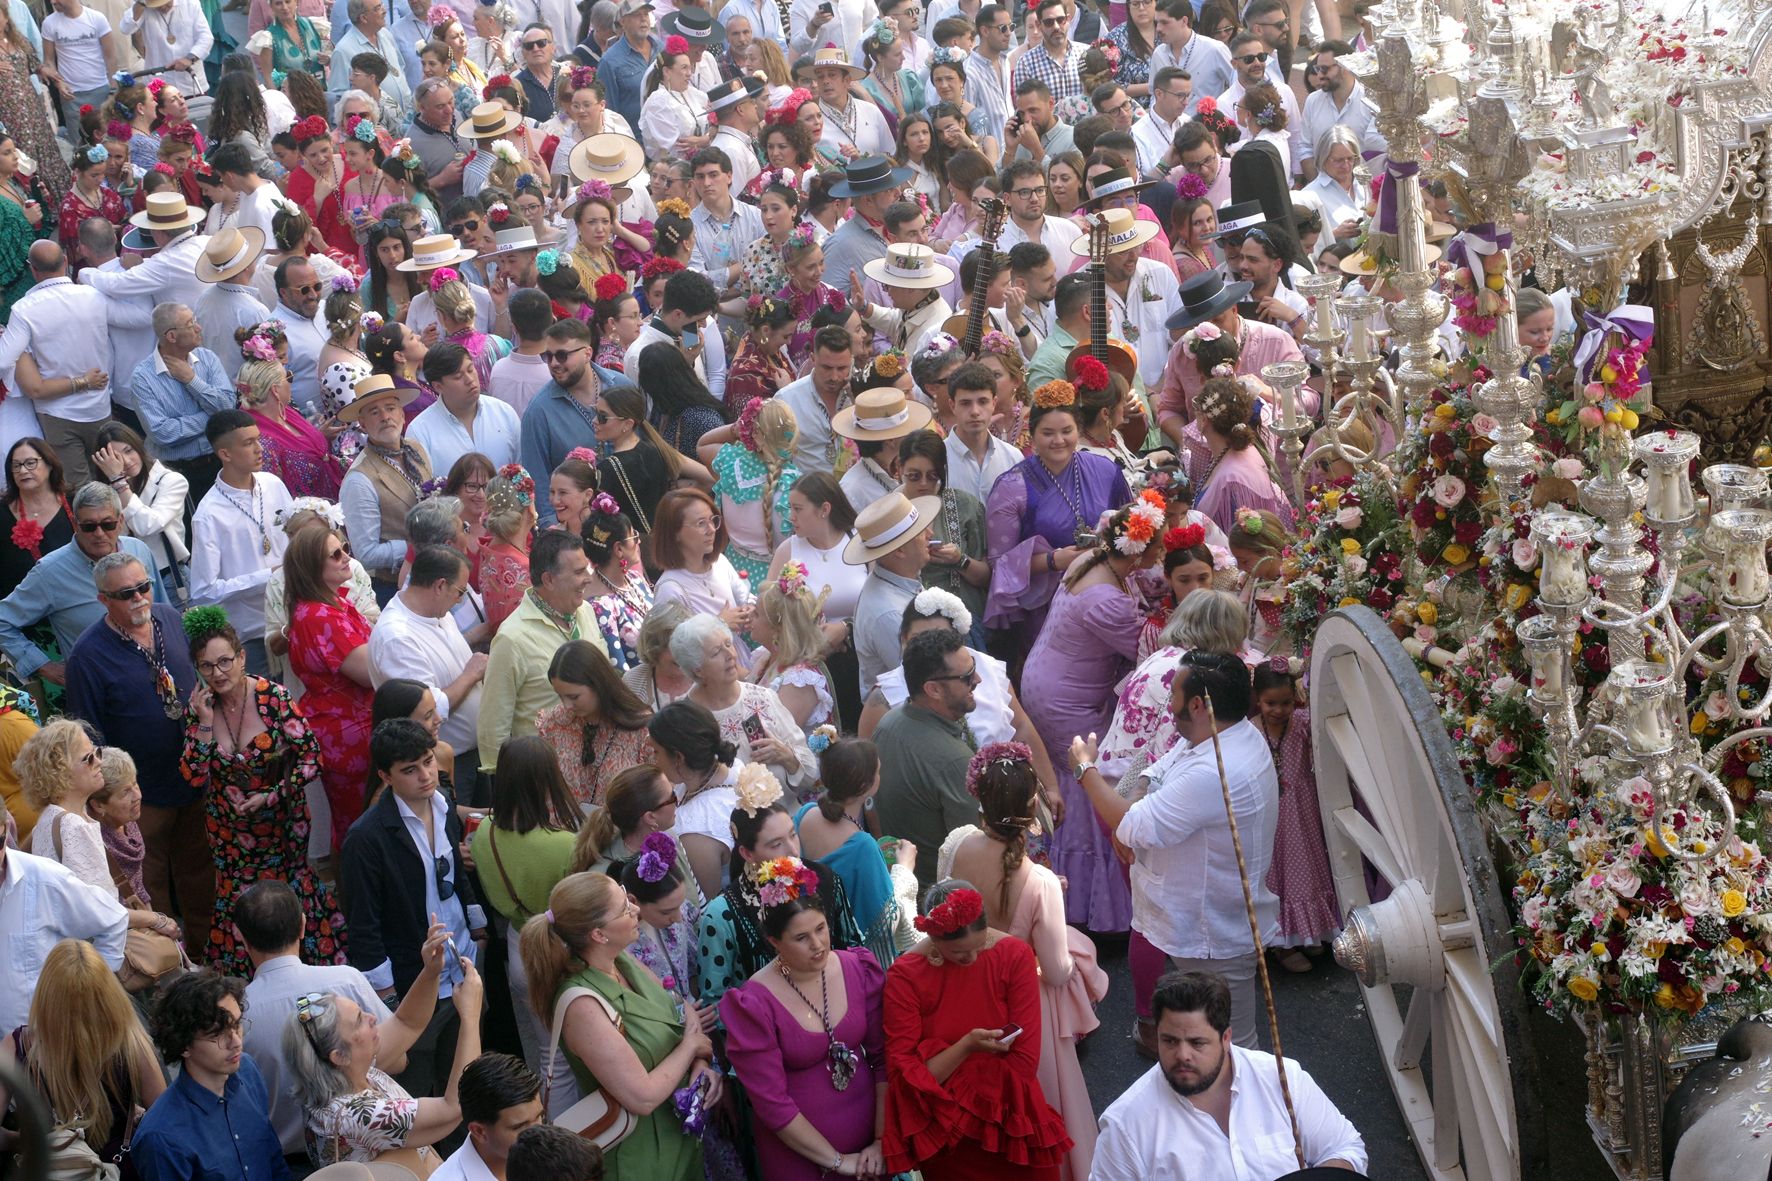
x,y
610,157
1124,232
1361,265
515,239
489,121
888,523
229,252
836,55
879,414
438,250
909,265
372,389
166,212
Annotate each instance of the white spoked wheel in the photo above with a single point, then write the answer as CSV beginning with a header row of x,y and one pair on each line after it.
x,y
1426,916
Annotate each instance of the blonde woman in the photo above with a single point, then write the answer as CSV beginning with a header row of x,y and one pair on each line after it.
x,y
457,314
504,564
294,450
752,462
786,623
86,1050
1009,421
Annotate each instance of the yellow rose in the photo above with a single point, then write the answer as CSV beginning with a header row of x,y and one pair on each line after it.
x,y
1350,546
1700,722
1666,998
1654,844
1583,989
1736,946
1654,951
1444,410
1350,601
1734,903
1455,554
1428,614
1332,498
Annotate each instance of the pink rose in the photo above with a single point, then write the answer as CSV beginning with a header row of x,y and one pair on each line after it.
x,y
1485,424
1568,468
1448,490
1716,706
1350,517
1525,554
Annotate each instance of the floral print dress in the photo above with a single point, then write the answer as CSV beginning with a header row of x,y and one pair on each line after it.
x,y
590,756
806,305
670,952
504,576
321,636
619,614
272,843
362,1126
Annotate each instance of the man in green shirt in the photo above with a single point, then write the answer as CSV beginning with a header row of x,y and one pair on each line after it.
x,y
1070,309
925,745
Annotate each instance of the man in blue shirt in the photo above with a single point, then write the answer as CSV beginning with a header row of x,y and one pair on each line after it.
x,y
177,387
625,62
59,588
213,1121
563,414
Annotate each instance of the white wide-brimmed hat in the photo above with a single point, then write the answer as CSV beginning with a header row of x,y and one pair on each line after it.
x,y
910,265
837,56
517,238
884,412
166,212
438,250
1124,232
888,523
488,121
611,157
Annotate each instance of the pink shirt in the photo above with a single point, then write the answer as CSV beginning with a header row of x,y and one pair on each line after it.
x,y
1263,344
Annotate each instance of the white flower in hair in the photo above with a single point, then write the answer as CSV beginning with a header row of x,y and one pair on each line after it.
x,y
932,601
757,788
506,151
331,513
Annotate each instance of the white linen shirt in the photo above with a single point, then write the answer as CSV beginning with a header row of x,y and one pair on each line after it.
x,y
1152,1134
1056,235
223,308
1186,896
849,19
464,1164
1153,138
305,342
42,903
229,565
445,439
169,33
169,275
53,321
873,135
668,115
1321,113
969,475
1154,296
432,652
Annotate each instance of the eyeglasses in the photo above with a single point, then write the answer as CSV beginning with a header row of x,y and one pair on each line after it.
x,y
27,465
222,1032
124,594
1029,194
458,591
1002,28
1250,59
1181,94
109,525
561,356
307,289
970,676
224,664
474,486
468,227
711,523
343,551
445,887
91,757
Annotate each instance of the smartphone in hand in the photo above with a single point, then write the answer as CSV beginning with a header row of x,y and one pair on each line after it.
x,y
1008,1034
753,728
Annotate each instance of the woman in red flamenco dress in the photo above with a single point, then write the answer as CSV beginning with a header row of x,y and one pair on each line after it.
x,y
964,1100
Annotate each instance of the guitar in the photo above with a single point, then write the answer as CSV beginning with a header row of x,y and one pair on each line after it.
x,y
1117,355
969,326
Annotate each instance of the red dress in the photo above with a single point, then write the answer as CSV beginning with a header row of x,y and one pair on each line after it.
x,y
74,211
504,576
329,218
338,708
989,1119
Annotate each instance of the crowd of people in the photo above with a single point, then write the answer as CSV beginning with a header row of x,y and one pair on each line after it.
x,y
644,590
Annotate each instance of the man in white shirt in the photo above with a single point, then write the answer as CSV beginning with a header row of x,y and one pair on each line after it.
x,y
500,1096
299,292
170,275
1171,93
69,376
130,320
1205,60
988,83
763,15
734,105
975,456
521,373
174,39
369,33
1260,262
1141,292
417,639
1250,56
1211,1110
229,262
271,923
235,543
42,903
460,420
1024,192
1341,100
813,23
1187,898
256,200
853,127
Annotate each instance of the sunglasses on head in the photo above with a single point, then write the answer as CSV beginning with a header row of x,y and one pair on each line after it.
x,y
109,525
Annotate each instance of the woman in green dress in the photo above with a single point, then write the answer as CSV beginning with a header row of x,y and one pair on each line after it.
x,y
26,215
624,1021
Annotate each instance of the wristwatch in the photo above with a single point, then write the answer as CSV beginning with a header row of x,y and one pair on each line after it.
x,y
1024,330
1082,769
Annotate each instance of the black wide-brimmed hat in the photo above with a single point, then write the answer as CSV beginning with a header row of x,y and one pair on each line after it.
x,y
869,174
734,90
695,26
1205,296
1238,217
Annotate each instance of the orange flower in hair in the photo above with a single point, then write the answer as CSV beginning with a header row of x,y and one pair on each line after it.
x,y
1055,393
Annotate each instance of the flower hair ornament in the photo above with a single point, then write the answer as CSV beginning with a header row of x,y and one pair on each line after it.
x,y
515,493
258,348
1224,369
999,343
599,190
587,454
603,502
1054,394
344,281
1199,332
1184,537
1211,403
658,857
1109,52
278,78
96,154
757,788
313,127
444,275
788,109
118,130
1267,116
676,44
124,79
505,152
86,109
821,738
440,16
786,178
497,82
360,129
200,623
184,133
583,76
527,183
371,323
889,364
1091,375
784,879
675,206
958,911
939,345
883,32
325,509
1189,187
609,286
1131,534
932,601
747,424
1249,521
547,262
792,579
799,238
164,169
1006,753
947,55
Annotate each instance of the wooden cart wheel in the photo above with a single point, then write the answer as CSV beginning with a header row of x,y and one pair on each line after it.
x,y
1452,1033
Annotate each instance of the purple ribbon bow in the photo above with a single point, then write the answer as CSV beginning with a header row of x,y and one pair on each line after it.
x,y
1395,171
1633,321
1481,240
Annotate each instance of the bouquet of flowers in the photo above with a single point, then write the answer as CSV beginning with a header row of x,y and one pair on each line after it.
x,y
1349,551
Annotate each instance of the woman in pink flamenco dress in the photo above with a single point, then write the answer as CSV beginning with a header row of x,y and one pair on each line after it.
x,y
1089,642
1300,875
1236,472
1026,900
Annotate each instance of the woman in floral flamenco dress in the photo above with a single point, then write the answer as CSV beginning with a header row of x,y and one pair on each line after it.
x,y
251,753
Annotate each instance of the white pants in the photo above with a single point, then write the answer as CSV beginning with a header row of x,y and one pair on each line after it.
x,y
1248,1018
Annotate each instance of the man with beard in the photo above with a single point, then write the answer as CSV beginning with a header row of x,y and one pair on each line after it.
x,y
563,414
1179,1120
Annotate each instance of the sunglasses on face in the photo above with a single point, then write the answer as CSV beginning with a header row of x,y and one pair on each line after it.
x,y
308,289
970,676
343,551
1056,22
91,757
125,594
468,227
1250,59
109,525
537,44
561,356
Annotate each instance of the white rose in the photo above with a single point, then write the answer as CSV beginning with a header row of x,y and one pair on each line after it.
x,y
1354,564
1525,554
1568,467
1622,880
1502,686
1696,899
1350,517
1448,491
1716,706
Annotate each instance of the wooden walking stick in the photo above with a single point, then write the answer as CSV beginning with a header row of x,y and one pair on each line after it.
x,y
1267,988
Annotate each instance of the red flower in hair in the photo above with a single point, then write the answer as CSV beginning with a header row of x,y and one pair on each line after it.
x,y
1184,537
119,130
85,109
164,169
184,133
609,286
675,44
660,266
1090,374
1205,106
496,81
313,127
957,911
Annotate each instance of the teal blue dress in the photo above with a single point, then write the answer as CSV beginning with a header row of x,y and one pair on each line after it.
x,y
862,866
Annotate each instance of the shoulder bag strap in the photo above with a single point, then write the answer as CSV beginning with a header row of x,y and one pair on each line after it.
x,y
55,837
560,1007
622,475
492,841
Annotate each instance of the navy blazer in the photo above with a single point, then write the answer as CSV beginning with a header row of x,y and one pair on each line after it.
x,y
383,876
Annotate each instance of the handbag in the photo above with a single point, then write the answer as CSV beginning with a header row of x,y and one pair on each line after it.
x,y
71,1158
148,956
597,1117
523,912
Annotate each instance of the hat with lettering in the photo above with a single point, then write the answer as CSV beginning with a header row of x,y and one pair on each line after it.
x,y
694,25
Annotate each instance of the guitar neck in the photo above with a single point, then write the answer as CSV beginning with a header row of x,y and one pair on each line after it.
x,y
981,286
1098,313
